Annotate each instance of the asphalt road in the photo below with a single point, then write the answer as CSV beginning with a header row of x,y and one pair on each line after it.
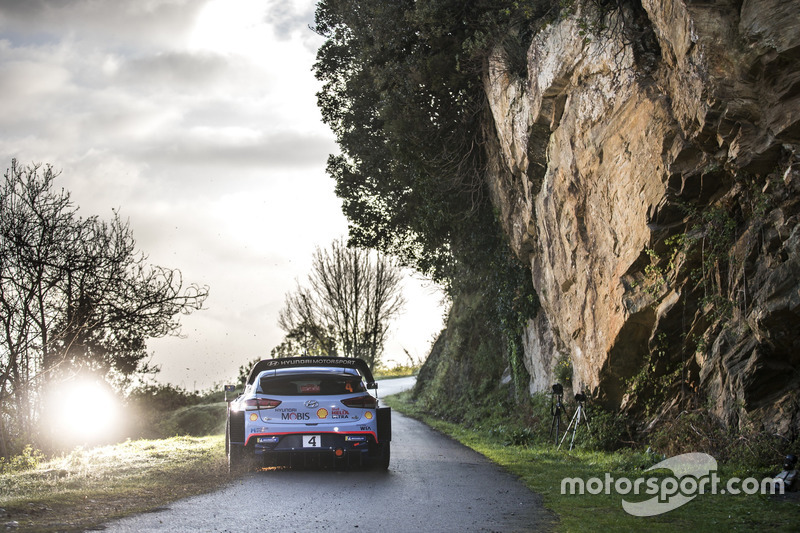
x,y
434,484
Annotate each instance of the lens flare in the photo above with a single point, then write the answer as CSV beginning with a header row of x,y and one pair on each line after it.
x,y
86,411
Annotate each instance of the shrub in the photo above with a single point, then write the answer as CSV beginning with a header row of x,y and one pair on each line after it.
x,y
608,430
701,431
161,411
194,420
27,460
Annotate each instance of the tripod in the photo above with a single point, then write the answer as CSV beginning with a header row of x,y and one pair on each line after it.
x,y
556,407
576,420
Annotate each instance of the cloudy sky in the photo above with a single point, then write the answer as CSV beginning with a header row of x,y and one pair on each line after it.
x,y
197,119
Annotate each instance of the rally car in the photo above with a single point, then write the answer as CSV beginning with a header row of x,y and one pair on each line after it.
x,y
308,411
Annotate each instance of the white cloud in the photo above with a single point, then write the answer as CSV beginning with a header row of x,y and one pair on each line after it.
x,y
198,120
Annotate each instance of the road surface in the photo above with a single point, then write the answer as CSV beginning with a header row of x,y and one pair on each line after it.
x,y
434,484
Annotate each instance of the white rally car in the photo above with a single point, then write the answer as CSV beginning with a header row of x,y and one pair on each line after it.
x,y
308,411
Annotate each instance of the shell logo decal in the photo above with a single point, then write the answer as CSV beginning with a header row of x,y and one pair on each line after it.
x,y
253,417
368,415
322,413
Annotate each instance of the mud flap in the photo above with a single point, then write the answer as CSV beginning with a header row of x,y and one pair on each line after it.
x,y
236,425
384,424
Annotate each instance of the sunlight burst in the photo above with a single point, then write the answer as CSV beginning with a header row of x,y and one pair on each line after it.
x,y
87,410
231,27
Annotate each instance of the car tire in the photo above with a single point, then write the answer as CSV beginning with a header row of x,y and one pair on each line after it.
x,y
381,461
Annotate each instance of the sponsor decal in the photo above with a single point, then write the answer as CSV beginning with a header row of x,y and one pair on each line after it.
x,y
286,410
295,416
309,387
322,413
299,361
267,440
259,430
366,428
253,417
368,415
355,438
337,413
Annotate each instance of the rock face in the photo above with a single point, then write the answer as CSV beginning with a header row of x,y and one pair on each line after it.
x,y
648,169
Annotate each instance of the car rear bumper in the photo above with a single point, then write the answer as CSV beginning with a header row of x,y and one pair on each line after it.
x,y
334,449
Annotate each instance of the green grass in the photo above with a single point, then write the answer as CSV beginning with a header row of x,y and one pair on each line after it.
x,y
398,371
542,467
87,487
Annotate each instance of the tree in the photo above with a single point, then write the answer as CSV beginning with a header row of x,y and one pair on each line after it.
x,y
351,297
403,91
75,296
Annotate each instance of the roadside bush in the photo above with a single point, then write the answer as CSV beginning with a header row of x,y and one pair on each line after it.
x,y
27,460
162,398
160,411
701,431
609,430
194,420
398,370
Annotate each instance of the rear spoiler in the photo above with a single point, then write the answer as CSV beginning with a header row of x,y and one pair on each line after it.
x,y
293,362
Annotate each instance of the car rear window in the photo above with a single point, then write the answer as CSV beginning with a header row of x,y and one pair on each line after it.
x,y
311,384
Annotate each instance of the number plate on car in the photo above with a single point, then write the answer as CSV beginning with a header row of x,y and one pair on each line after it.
x,y
312,441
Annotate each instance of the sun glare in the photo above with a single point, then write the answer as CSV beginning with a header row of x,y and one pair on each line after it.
x,y
87,411
230,27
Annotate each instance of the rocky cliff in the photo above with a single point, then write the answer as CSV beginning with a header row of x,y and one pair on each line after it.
x,y
647,166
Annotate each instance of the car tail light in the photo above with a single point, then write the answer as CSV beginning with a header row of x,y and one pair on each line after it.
x,y
261,403
362,402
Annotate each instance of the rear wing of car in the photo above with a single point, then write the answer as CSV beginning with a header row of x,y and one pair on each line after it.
x,y
297,362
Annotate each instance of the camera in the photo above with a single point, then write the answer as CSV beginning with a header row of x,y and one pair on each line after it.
x,y
580,397
558,390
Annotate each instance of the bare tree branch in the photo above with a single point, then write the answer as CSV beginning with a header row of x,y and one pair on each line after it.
x,y
350,299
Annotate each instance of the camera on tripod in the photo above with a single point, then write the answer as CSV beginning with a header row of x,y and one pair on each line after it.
x,y
556,408
580,415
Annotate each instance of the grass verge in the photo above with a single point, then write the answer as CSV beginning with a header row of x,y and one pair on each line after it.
x,y
88,487
542,467
398,371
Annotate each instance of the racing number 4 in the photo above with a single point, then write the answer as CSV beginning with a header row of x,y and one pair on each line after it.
x,y
312,441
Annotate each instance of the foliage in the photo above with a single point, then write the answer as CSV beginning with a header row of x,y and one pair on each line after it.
x,y
717,228
161,398
397,371
562,372
609,432
75,295
700,431
193,420
28,459
244,371
165,410
403,93
656,377
346,307
660,269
